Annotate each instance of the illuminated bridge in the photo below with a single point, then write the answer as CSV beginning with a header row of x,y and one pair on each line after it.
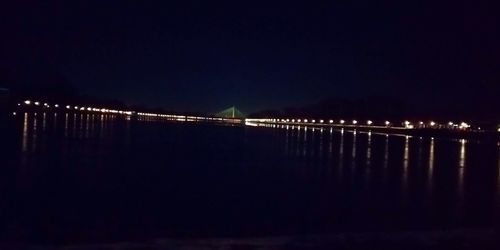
x,y
233,116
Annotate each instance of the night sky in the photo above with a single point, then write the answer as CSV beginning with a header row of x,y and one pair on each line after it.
x,y
207,55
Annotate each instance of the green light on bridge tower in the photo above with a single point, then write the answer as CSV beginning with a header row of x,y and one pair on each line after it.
x,y
231,112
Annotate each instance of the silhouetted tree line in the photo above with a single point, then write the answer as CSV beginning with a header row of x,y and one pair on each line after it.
x,y
383,108
45,84
49,86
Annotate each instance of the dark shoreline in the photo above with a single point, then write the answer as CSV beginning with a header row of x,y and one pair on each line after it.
x,y
484,135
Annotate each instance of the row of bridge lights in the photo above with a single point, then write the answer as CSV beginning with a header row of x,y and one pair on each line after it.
x,y
407,124
69,107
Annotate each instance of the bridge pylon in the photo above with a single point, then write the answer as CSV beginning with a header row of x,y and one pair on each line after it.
x,y
231,112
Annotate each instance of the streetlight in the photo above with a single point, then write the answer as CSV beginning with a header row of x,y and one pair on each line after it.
x,y
369,122
354,122
464,125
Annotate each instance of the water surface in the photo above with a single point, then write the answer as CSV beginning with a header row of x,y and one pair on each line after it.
x,y
80,177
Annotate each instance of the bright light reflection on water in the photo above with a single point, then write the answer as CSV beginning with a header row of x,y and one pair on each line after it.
x,y
338,179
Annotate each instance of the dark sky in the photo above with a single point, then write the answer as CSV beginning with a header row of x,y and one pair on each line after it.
x,y
207,55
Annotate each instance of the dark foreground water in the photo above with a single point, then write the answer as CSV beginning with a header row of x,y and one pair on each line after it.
x,y
88,178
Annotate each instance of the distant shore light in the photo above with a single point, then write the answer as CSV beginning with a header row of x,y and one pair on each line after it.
x,y
464,125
